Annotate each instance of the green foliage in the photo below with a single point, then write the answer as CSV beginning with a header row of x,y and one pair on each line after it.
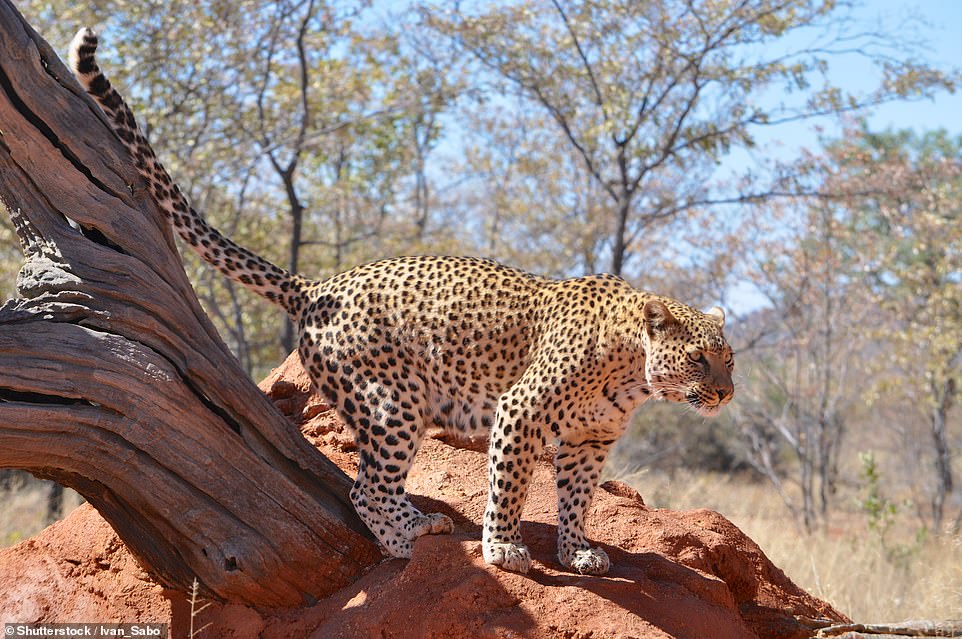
x,y
862,273
882,513
665,439
879,511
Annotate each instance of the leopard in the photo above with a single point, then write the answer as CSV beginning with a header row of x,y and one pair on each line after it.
x,y
406,345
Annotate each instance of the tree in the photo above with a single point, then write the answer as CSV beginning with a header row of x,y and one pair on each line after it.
x,y
798,395
342,117
519,182
184,88
299,126
113,382
865,302
650,95
903,193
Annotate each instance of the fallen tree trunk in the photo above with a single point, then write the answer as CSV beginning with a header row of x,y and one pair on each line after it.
x,y
114,382
914,628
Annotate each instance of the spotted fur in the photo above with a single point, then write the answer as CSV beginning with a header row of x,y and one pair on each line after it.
x,y
467,345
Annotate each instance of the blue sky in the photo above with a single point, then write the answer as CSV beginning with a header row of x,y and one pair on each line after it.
x,y
945,41
942,48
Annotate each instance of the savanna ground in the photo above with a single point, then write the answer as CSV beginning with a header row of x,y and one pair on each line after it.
x,y
847,563
867,574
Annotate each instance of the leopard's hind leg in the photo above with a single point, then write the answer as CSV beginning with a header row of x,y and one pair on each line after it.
x,y
389,430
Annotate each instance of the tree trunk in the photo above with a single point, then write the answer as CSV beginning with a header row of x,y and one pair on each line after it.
x,y
943,393
113,382
619,243
54,503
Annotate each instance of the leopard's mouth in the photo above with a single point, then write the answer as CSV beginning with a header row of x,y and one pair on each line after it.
x,y
701,407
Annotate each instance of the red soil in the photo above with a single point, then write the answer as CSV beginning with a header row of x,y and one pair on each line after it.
x,y
675,574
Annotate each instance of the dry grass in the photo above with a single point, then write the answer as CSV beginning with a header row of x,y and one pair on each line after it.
x,y
847,564
22,513
23,510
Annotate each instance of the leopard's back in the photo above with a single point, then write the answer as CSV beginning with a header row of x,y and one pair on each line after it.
x,y
458,331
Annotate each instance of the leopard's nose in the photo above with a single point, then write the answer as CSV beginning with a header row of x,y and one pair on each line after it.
x,y
724,393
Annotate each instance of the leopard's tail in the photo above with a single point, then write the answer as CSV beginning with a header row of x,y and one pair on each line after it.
x,y
236,262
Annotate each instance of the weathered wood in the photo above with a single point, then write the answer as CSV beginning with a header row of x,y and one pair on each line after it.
x,y
114,382
911,628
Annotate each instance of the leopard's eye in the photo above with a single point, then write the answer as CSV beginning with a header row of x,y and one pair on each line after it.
x,y
698,357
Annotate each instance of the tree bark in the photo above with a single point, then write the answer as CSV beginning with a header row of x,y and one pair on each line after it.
x,y
619,240
943,393
113,381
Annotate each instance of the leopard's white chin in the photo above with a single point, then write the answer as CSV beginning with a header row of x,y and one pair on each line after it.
x,y
703,409
708,411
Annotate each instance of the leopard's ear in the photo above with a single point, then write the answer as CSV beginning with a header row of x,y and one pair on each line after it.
x,y
717,314
657,317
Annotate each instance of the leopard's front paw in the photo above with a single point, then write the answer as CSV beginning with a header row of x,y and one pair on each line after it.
x,y
588,561
433,524
513,557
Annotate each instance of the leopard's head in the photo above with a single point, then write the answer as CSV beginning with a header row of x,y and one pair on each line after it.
x,y
687,356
